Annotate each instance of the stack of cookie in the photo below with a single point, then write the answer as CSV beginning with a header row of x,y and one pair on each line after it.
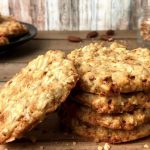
x,y
111,102
10,28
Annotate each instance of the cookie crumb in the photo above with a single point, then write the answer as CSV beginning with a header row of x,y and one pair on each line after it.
x,y
6,149
146,146
100,148
74,143
106,146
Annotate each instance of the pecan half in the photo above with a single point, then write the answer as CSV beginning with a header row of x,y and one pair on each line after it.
x,y
74,39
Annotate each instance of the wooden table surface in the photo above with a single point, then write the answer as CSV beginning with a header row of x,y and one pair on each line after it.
x,y
50,135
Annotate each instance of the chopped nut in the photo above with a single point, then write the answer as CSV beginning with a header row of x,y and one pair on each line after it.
x,y
106,146
110,32
146,146
92,34
74,39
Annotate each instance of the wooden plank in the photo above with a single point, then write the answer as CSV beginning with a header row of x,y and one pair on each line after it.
x,y
75,15
32,49
37,9
8,70
120,11
21,10
4,7
124,34
70,146
101,15
68,14
85,15
65,10
52,15
135,12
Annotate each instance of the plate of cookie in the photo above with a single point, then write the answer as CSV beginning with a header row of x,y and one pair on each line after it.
x,y
14,33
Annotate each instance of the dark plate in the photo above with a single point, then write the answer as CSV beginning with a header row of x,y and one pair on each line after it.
x,y
20,40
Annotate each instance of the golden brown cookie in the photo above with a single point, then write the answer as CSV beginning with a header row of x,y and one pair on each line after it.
x,y
111,70
114,104
12,28
37,90
124,121
3,40
101,134
5,18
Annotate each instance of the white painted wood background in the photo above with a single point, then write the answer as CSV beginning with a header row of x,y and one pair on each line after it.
x,y
75,14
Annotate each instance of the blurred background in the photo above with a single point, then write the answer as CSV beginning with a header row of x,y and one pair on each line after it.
x,y
75,14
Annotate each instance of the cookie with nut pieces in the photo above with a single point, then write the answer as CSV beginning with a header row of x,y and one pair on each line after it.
x,y
35,91
112,70
123,121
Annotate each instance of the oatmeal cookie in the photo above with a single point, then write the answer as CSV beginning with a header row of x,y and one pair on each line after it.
x,y
124,121
101,134
111,70
115,104
12,28
37,90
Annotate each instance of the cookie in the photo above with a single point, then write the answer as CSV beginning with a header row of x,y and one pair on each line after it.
x,y
115,104
101,134
124,121
12,28
37,90
111,70
5,18
3,40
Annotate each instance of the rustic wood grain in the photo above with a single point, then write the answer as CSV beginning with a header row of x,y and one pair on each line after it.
x,y
52,15
75,14
65,18
4,7
63,35
135,13
21,10
37,9
120,11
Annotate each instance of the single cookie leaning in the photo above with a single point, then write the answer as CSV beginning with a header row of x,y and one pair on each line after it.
x,y
115,104
38,89
99,134
125,121
111,70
